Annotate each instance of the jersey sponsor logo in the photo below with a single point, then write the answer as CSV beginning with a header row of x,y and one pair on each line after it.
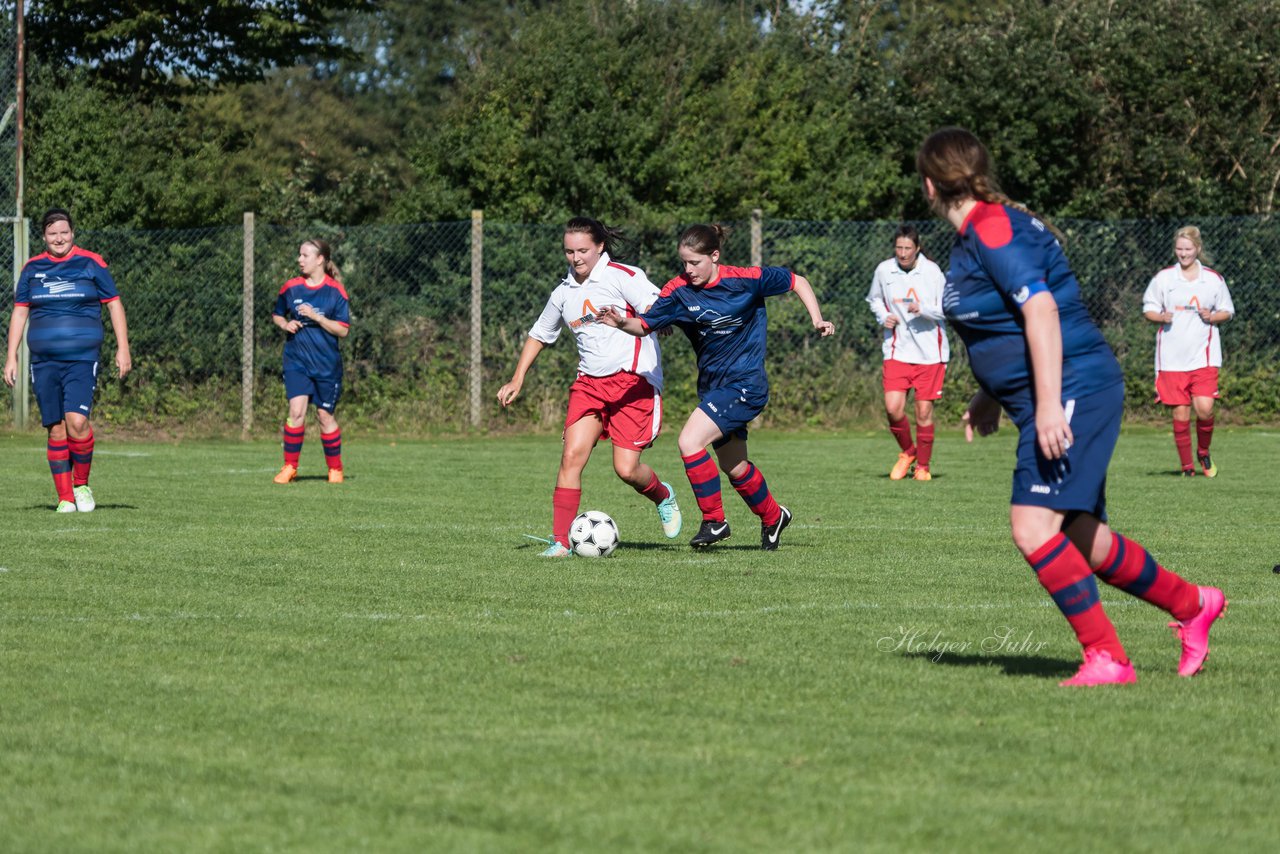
x,y
588,315
718,321
909,298
1193,305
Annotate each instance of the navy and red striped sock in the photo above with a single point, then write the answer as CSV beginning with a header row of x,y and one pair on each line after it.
x,y
704,480
59,456
753,489
81,458
1131,568
292,440
332,443
1066,576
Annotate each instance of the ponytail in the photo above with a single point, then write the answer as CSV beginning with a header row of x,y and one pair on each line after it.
x,y
326,252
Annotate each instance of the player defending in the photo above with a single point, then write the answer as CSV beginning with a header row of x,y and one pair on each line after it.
x,y
618,392
1189,301
62,291
313,310
906,298
722,310
1014,300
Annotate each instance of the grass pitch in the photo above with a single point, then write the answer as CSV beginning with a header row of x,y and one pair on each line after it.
x,y
213,662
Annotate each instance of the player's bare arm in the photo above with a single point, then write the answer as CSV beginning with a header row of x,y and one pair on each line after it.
x,y
610,316
509,392
810,300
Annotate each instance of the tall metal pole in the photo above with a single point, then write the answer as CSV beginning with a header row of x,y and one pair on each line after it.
x,y
21,229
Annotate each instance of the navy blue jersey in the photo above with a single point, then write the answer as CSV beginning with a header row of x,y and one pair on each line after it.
x,y
311,350
725,320
65,296
1001,258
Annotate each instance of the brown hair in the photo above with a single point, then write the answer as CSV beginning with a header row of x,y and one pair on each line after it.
x,y
613,240
959,166
325,251
703,239
909,232
53,215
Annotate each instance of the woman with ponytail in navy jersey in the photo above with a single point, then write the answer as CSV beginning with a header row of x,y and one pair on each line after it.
x,y
722,310
62,291
1035,351
312,309
618,392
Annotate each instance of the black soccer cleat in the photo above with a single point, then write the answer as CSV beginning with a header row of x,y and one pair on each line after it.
x,y
770,534
710,532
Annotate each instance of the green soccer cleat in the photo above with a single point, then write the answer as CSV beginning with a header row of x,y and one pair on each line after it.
x,y
1207,466
556,550
669,513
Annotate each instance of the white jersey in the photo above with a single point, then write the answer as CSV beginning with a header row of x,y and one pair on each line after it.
x,y
918,339
603,350
1187,343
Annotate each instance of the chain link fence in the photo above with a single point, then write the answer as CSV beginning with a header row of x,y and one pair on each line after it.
x,y
410,357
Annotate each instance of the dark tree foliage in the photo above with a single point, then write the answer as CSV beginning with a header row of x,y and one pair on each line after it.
x,y
158,47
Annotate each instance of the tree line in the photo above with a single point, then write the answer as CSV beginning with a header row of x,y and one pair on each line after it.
x,y
184,113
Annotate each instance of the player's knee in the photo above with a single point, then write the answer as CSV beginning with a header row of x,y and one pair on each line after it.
x,y
1029,537
77,426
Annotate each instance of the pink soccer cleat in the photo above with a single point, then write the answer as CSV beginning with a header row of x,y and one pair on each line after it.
x,y
1100,668
1194,633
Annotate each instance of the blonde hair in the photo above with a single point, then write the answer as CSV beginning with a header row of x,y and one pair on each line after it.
x,y
325,251
1192,233
959,166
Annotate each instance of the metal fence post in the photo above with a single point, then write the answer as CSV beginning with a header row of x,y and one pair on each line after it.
x,y
247,334
757,237
477,288
22,388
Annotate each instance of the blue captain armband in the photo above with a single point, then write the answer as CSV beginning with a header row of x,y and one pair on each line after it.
x,y
1026,292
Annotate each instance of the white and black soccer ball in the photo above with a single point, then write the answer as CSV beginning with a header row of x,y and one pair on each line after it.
x,y
593,534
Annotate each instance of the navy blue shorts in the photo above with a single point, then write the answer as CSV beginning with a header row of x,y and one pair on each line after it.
x,y
63,387
732,409
323,392
1077,481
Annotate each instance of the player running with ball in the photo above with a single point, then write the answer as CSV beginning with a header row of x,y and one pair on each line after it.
x,y
618,392
722,310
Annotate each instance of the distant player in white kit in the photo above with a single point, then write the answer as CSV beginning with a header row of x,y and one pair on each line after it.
x,y
618,392
1189,301
906,297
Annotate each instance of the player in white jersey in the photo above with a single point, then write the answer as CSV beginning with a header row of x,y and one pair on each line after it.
x,y
618,392
1189,301
906,297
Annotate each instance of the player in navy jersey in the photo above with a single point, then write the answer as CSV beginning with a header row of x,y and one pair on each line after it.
x,y
722,310
62,291
618,391
313,310
1035,351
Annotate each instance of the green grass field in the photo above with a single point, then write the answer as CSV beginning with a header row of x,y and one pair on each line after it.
x,y
211,662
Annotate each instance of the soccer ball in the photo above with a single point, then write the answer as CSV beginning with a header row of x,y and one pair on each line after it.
x,y
593,534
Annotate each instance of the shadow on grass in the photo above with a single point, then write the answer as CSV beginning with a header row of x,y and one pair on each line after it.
x,y
1012,665
49,508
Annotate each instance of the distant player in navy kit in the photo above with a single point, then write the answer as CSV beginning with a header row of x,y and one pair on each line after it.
x,y
314,311
722,310
62,291
1035,351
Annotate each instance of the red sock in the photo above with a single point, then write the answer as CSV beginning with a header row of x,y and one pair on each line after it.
x,y
1131,568
564,508
1204,435
293,443
756,493
59,457
332,443
924,446
654,490
901,430
704,480
1065,574
1182,440
81,458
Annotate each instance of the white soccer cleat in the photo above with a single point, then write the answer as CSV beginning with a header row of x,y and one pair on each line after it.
x,y
66,507
84,499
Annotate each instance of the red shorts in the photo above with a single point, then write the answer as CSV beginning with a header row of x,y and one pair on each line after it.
x,y
1176,388
626,404
925,379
